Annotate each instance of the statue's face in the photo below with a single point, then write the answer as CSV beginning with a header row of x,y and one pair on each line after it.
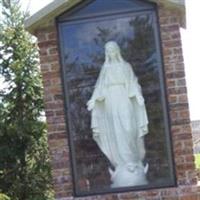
x,y
111,50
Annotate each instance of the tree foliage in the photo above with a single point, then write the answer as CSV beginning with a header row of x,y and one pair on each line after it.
x,y
24,161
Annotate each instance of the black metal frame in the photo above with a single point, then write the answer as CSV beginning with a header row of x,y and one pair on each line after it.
x,y
165,103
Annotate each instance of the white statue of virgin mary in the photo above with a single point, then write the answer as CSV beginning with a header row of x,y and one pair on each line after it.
x,y
119,119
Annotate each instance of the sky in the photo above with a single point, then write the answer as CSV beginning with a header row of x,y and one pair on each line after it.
x,y
34,5
191,45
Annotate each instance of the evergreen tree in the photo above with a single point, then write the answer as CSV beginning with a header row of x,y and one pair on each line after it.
x,y
24,161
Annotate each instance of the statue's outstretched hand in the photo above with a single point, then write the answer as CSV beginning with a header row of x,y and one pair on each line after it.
x,y
140,100
90,105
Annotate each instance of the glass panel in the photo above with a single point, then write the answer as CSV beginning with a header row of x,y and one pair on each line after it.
x,y
83,56
99,7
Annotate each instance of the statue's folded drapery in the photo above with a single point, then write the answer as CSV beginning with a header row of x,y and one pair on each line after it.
x,y
119,116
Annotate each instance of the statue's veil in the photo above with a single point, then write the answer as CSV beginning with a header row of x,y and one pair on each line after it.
x,y
109,59
115,47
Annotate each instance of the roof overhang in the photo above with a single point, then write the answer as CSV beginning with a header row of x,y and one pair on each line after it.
x,y
46,15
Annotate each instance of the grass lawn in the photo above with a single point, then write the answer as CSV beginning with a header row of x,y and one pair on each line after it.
x,y
4,197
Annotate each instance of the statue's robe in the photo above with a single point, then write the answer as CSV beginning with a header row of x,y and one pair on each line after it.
x,y
119,117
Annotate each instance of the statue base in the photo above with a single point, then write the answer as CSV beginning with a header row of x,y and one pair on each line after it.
x,y
128,175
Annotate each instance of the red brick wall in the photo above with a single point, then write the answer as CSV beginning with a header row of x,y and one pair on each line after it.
x,y
179,114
